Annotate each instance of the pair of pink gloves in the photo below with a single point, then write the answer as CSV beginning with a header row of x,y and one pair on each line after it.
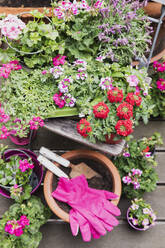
x,y
91,211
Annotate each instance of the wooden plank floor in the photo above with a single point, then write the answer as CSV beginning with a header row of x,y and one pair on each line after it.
x,y
57,234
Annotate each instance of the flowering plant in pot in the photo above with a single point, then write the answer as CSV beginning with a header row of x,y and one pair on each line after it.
x,y
30,42
158,88
136,168
110,30
140,215
20,173
122,95
19,226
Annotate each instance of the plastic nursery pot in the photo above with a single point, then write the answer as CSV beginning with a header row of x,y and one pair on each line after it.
x,y
23,141
37,174
111,139
134,227
101,162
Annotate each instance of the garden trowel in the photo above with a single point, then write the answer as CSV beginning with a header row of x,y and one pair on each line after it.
x,y
76,170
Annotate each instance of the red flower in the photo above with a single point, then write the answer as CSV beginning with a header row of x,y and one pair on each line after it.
x,y
146,149
101,110
124,110
115,95
134,98
83,127
124,127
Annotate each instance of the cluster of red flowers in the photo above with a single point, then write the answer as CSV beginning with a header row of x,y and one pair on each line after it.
x,y
124,127
101,110
84,128
124,112
115,95
134,98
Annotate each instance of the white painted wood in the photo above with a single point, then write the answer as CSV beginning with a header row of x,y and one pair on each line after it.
x,y
52,167
54,157
159,1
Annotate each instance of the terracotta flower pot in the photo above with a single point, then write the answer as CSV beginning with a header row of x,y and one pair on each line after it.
x,y
110,139
81,154
37,174
22,141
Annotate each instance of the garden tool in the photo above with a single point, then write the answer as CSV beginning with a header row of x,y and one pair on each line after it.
x,y
76,170
91,211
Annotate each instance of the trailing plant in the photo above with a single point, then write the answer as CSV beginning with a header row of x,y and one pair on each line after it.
x,y
19,226
135,166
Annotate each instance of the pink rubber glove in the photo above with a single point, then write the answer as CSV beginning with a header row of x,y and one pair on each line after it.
x,y
90,203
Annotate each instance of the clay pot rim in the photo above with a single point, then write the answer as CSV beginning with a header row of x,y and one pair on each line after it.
x,y
73,155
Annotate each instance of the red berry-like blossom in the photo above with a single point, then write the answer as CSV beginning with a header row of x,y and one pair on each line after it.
x,y
125,110
146,149
83,127
124,127
101,110
115,95
134,98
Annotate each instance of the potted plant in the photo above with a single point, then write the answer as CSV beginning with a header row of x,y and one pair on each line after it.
x,y
30,42
97,162
158,88
19,226
112,31
135,166
140,215
128,34
19,169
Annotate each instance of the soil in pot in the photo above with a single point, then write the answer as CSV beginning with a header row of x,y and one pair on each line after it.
x,y
104,182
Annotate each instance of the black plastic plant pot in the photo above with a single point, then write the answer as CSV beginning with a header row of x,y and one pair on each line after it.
x,y
37,174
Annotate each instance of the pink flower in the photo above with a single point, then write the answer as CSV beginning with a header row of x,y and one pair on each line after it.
x,y
145,222
58,100
135,222
44,72
24,221
136,185
36,122
132,80
127,180
25,165
161,84
59,60
14,228
126,154
12,26
136,172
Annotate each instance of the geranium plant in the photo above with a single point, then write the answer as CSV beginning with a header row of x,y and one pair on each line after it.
x,y
135,166
158,88
31,42
19,226
140,215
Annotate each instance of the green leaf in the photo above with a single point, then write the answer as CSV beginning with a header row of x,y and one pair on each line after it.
x,y
64,112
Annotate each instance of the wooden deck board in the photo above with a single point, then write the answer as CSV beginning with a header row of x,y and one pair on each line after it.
x,y
122,236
